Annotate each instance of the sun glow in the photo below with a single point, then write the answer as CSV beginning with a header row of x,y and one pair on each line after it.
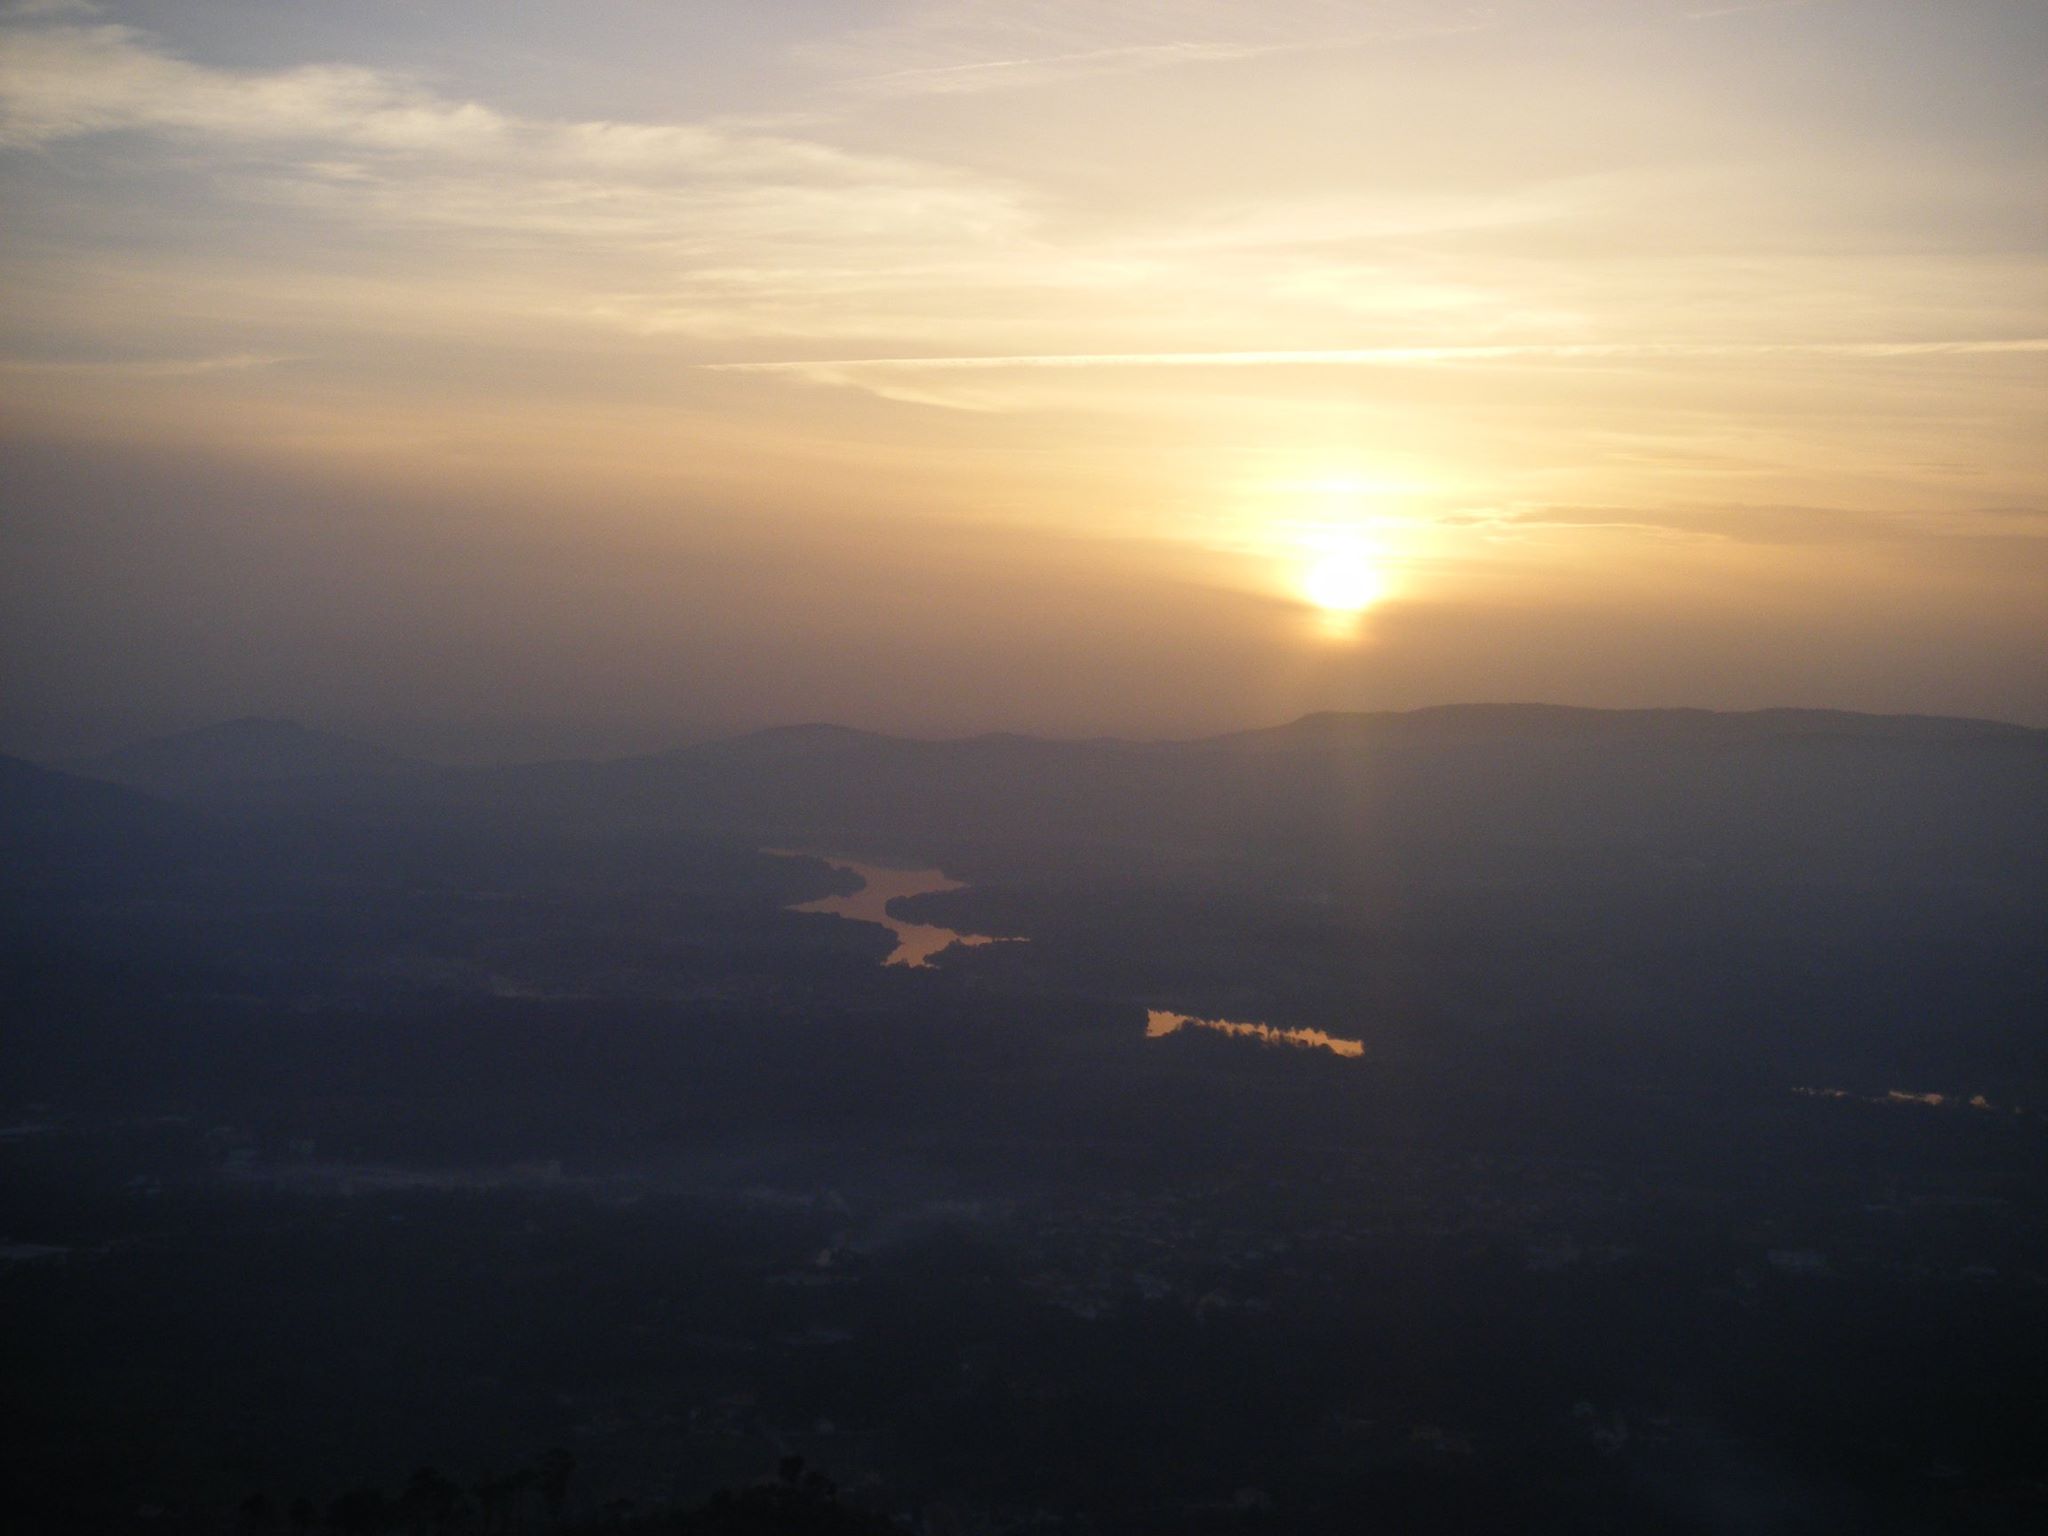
x,y
1343,581
1334,536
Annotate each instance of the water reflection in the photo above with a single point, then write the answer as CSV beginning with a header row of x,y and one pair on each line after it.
x,y
916,943
1159,1023
1904,1096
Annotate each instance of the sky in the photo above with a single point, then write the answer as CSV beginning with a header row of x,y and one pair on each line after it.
x,y
494,378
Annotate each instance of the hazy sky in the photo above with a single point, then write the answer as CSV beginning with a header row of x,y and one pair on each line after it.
x,y
490,376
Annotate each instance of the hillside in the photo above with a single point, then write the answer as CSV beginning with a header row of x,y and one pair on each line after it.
x,y
236,755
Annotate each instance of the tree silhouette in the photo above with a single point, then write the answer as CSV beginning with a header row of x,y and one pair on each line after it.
x,y
798,1503
552,1478
362,1510
430,1502
498,1497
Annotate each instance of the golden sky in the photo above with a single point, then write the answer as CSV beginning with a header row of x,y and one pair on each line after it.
x,y
505,376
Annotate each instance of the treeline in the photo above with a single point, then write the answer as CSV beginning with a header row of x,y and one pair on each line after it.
x,y
795,1501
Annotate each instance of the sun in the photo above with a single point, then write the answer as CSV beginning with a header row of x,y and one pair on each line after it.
x,y
1343,581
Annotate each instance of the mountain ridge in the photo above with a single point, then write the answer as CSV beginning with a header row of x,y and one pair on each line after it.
x,y
1524,717
248,752
260,749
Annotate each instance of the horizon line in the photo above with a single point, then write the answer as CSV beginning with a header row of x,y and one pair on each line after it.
x,y
73,762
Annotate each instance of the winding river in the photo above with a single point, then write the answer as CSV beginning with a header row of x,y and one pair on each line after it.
x,y
916,943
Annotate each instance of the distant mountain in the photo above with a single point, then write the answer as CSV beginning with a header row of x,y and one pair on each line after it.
x,y
55,824
1474,792
1470,794
38,803
1478,723
788,741
238,755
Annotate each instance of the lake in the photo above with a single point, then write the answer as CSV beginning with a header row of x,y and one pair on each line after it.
x,y
1159,1023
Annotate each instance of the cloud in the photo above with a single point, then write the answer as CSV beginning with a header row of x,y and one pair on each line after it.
x,y
1772,525
995,74
70,82
956,47
1395,357
64,82
971,45
1714,13
143,367
414,234
393,153
28,10
1043,69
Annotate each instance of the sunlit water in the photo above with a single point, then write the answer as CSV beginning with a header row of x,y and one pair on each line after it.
x,y
1904,1096
916,943
1159,1023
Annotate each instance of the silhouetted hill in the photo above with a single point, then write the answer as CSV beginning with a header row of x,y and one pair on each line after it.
x,y
1472,791
1701,1062
789,741
73,851
236,755
1464,723
1462,794
46,814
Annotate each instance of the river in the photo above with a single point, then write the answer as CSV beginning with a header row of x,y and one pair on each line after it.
x,y
1158,1023
916,943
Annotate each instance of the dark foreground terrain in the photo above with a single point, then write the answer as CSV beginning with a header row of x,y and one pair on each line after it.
x,y
393,1148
